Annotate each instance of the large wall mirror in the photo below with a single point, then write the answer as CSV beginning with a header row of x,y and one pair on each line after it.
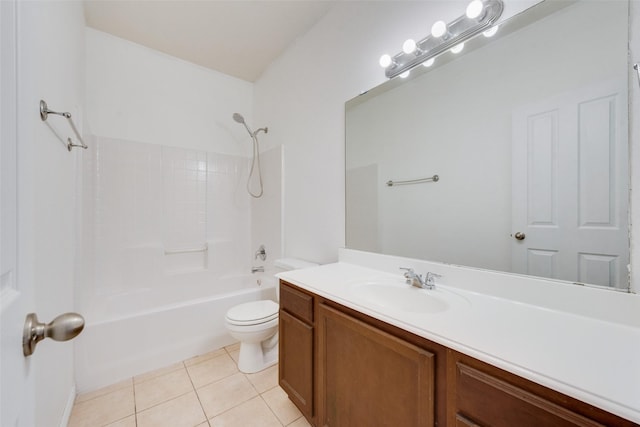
x,y
528,134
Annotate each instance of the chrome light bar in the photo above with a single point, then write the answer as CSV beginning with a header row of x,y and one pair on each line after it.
x,y
454,33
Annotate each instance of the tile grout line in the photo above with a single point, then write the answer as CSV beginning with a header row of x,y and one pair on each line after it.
x,y
271,409
195,391
135,404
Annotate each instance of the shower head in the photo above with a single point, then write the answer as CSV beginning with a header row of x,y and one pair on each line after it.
x,y
238,118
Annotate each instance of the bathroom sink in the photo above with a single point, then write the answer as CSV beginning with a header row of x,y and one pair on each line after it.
x,y
396,295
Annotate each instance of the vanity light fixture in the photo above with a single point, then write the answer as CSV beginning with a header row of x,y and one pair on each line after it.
x,y
479,17
491,31
409,46
457,48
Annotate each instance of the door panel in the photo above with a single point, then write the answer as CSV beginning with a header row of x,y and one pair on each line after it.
x,y
16,393
570,187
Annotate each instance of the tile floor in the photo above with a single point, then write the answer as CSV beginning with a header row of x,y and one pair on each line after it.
x,y
205,391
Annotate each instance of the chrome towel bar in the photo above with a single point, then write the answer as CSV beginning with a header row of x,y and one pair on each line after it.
x,y
637,68
434,178
44,114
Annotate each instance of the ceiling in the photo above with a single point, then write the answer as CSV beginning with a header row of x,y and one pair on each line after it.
x,y
239,38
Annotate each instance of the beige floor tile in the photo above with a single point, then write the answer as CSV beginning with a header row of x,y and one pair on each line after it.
x,y
222,395
103,410
106,390
280,404
253,413
235,354
233,347
160,389
211,370
157,373
183,411
125,422
300,422
204,424
206,356
265,379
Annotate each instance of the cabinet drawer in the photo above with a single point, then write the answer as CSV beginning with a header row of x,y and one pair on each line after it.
x,y
490,401
296,302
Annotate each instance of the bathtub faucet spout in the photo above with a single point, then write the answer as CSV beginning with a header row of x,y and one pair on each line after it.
x,y
257,269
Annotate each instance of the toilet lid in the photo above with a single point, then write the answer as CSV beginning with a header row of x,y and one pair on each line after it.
x,y
253,312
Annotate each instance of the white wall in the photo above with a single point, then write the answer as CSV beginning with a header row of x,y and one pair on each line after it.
x,y
51,55
138,94
266,211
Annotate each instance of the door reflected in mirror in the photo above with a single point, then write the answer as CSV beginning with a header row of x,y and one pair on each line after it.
x,y
528,135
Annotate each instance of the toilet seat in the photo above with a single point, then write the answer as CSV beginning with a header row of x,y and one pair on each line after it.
x,y
253,313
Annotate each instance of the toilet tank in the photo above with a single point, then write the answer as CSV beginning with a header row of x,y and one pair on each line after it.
x,y
288,264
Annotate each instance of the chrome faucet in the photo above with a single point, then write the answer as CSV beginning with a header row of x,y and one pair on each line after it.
x,y
430,283
261,253
416,280
257,269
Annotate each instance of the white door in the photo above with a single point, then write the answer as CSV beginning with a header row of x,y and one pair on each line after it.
x,y
16,393
570,187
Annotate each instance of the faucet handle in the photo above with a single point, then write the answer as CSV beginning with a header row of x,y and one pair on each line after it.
x,y
431,277
409,272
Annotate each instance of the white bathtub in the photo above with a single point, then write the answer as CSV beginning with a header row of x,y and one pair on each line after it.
x,y
146,329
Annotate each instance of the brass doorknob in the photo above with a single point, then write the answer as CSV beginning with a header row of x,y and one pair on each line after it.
x,y
519,236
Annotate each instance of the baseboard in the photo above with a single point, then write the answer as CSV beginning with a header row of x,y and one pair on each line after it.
x,y
64,422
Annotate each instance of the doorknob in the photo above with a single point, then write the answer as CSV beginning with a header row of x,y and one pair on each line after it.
x,y
62,328
519,236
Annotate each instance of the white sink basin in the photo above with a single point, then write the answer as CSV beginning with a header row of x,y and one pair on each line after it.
x,y
396,295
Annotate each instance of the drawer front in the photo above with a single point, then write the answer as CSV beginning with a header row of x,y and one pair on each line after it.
x,y
296,302
485,400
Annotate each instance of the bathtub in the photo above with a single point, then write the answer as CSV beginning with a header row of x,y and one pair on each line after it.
x,y
134,332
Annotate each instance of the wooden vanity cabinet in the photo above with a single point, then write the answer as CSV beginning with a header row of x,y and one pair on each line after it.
x,y
343,368
296,347
479,394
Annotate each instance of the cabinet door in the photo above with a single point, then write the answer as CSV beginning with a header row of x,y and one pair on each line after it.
x,y
296,362
370,378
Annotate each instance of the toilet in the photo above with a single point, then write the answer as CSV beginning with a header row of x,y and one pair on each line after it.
x,y
255,325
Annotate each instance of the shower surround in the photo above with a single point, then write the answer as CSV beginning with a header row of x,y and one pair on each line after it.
x,y
166,251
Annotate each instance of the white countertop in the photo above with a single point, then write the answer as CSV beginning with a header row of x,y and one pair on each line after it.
x,y
581,341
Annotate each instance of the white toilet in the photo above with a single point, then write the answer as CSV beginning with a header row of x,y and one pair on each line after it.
x,y
255,325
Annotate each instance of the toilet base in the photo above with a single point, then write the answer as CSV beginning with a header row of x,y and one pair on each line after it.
x,y
254,358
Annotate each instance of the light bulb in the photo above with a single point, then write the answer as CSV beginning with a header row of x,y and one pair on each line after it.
x,y
385,61
439,29
474,9
409,46
457,48
429,62
405,74
491,31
